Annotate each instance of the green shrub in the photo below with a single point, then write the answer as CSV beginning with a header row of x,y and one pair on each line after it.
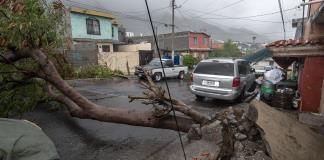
x,y
189,60
94,71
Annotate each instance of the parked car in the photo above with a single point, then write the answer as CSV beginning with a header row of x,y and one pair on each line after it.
x,y
260,70
154,68
226,79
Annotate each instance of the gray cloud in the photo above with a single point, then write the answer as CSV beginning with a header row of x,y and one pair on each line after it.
x,y
270,25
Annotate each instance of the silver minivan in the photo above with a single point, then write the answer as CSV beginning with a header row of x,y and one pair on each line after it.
x,y
226,79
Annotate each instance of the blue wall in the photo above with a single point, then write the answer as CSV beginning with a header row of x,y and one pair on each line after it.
x,y
79,27
115,33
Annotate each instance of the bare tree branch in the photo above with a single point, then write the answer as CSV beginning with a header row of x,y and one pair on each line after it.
x,y
11,57
156,96
4,14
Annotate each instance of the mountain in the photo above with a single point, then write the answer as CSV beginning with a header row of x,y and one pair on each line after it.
x,y
182,23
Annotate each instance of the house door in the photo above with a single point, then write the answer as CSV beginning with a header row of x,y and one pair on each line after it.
x,y
145,57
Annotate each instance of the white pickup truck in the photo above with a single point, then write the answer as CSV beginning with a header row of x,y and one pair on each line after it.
x,y
155,70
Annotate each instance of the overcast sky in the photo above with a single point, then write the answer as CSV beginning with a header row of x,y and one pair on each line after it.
x,y
220,12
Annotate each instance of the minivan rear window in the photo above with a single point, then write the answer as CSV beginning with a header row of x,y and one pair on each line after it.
x,y
215,68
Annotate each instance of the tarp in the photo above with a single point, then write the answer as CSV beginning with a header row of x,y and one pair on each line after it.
x,y
258,56
23,140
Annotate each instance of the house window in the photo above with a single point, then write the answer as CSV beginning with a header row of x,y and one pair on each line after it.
x,y
105,48
205,41
93,26
112,31
195,41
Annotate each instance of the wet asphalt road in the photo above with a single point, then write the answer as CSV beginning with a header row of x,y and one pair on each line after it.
x,y
77,139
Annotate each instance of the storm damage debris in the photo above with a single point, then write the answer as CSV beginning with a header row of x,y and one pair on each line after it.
x,y
236,135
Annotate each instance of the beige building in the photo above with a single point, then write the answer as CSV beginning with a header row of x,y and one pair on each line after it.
x,y
126,57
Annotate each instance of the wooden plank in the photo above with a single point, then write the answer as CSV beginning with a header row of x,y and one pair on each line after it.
x,y
322,100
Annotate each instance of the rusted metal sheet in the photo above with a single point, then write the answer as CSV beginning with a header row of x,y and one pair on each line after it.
x,y
310,84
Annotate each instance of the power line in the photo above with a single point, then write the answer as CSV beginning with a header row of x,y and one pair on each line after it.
x,y
184,2
222,17
144,11
211,4
181,14
244,19
166,82
251,16
227,6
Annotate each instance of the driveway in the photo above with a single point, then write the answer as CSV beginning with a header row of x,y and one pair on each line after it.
x,y
93,140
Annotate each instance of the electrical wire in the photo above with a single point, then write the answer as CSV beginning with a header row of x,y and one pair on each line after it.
x,y
251,16
184,2
181,14
144,11
222,17
166,82
227,6
247,18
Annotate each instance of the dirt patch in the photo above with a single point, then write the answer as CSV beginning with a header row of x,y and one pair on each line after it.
x,y
286,136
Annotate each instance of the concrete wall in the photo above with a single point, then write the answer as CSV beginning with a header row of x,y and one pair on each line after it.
x,y
79,27
108,44
80,58
84,53
313,30
118,60
164,40
134,47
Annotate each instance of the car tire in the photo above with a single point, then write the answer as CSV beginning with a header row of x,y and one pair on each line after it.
x,y
200,98
241,97
157,77
181,75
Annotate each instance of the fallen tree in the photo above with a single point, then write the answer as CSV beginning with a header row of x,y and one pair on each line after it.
x,y
30,33
29,36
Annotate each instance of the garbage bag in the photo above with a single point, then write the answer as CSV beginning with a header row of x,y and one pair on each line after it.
x,y
23,140
274,76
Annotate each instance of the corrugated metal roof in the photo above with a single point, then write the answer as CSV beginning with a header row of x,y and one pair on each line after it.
x,y
258,56
299,42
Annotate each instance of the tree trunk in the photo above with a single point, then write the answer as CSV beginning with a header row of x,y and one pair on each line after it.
x,y
91,110
81,107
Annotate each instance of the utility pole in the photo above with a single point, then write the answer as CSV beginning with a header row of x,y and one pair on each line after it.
x,y
172,41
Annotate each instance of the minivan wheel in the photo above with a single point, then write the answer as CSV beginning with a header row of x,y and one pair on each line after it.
x,y
199,98
181,75
241,97
157,77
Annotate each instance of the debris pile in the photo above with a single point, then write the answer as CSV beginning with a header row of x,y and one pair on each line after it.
x,y
239,137
242,134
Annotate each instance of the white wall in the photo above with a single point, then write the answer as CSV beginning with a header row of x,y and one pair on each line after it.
x,y
134,47
118,60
